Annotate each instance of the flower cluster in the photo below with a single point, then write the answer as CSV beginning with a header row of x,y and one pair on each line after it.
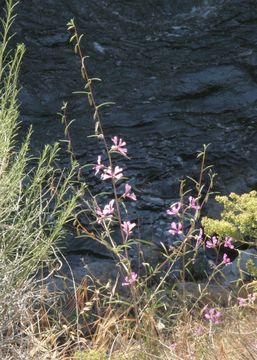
x,y
213,315
214,242
250,300
176,209
115,174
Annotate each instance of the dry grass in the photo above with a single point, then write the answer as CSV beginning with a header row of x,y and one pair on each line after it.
x,y
175,333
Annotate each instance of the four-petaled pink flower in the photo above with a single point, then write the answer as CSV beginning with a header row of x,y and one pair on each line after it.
x,y
212,243
98,166
174,209
130,279
193,203
127,227
115,174
226,260
119,146
228,242
106,213
213,315
128,194
175,228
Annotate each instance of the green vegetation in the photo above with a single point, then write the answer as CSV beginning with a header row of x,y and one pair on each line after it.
x,y
35,201
238,219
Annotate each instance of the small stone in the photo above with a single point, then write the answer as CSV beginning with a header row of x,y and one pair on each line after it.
x,y
237,271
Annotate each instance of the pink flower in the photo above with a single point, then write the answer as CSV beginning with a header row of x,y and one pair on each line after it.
x,y
119,146
242,301
127,227
128,194
99,166
106,213
109,174
199,238
193,203
175,228
213,315
199,330
174,209
212,243
248,301
251,298
130,279
228,242
226,260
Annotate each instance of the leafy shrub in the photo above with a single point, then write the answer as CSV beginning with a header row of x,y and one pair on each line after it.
x,y
35,202
238,219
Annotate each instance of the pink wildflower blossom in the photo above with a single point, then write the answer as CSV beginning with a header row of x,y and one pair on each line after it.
x,y
98,166
115,174
228,242
212,243
242,301
247,301
130,279
127,227
199,330
193,203
252,298
174,209
175,228
199,238
128,194
213,315
119,146
106,213
226,260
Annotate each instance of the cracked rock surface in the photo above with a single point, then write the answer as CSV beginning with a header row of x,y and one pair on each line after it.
x,y
181,73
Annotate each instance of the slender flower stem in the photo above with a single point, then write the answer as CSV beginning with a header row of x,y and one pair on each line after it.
x,y
97,118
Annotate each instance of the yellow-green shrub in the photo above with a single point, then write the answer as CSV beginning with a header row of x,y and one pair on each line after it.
x,y
238,219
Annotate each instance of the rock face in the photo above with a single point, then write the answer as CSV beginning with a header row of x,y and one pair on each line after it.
x,y
182,73
237,272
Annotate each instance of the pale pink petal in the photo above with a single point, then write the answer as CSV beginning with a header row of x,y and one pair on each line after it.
x,y
228,242
130,279
128,194
119,146
226,260
175,228
174,209
193,203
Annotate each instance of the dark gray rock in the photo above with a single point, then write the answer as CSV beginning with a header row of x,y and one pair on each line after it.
x,y
182,73
237,272
76,269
